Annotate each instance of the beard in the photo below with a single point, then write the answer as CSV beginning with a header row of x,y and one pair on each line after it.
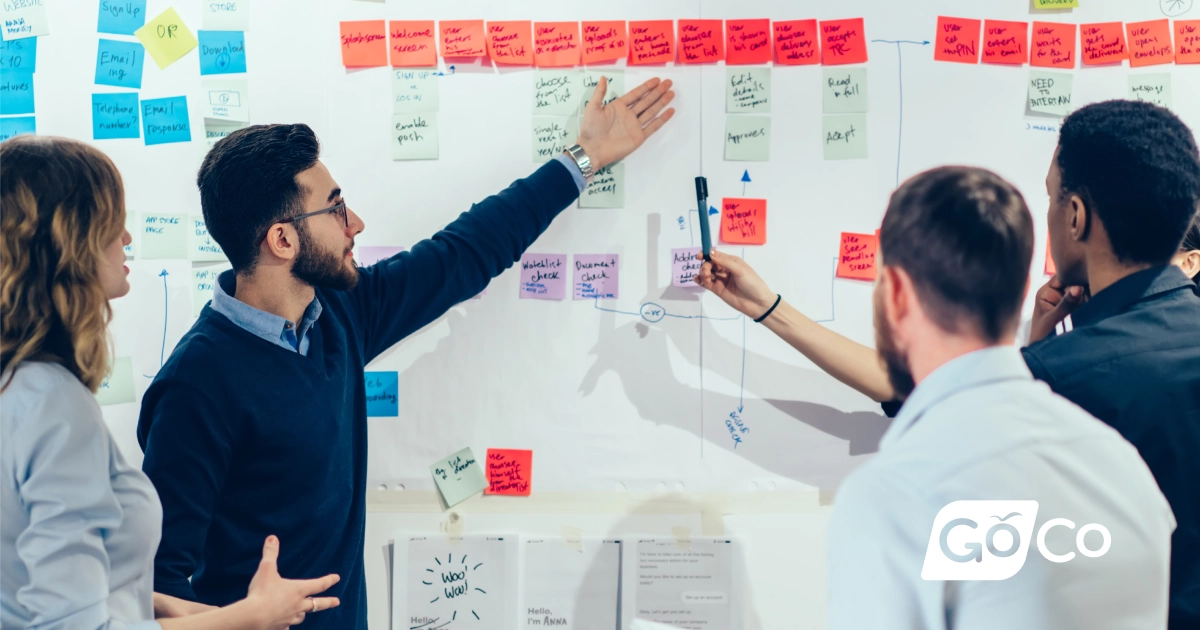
x,y
899,374
323,268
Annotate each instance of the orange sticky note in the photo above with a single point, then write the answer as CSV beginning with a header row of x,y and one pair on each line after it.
x,y
1005,42
510,42
1049,269
364,44
856,256
1187,41
651,41
744,221
604,41
701,41
957,40
1053,45
412,43
747,41
1149,43
843,41
1102,43
796,43
462,38
556,44
509,471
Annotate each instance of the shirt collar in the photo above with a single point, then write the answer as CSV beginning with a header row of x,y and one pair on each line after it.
x,y
1123,293
259,322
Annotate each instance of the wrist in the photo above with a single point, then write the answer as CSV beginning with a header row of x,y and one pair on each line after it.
x,y
593,153
248,613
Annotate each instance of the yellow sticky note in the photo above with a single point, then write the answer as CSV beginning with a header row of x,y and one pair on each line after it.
x,y
1056,4
166,38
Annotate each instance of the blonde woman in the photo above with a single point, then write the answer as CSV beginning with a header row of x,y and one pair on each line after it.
x,y
78,525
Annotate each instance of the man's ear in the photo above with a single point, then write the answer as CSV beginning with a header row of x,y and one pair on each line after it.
x,y
282,242
1080,223
895,286
1189,262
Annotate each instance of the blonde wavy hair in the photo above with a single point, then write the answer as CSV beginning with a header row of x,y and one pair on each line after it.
x,y
62,204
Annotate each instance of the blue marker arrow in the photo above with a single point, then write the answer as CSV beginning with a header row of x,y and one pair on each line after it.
x,y
712,211
745,180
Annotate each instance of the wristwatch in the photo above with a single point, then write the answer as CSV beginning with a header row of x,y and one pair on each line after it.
x,y
582,161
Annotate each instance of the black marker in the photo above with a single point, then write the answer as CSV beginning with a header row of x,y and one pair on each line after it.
x,y
702,201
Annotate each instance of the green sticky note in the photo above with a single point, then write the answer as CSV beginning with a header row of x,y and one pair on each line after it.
x,y
200,244
607,189
552,135
747,138
204,282
164,236
1056,4
590,78
166,38
748,90
555,92
844,89
214,130
414,91
845,136
458,477
414,136
1151,88
117,387
1050,92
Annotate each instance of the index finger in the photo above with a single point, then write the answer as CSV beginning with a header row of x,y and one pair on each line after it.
x,y
318,585
598,93
638,92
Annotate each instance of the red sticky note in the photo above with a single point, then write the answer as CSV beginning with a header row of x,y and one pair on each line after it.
x,y
856,256
747,41
651,41
510,42
509,471
796,43
1187,41
1102,43
957,40
1149,43
462,38
701,41
1053,45
1005,42
364,44
412,43
604,41
1049,269
843,41
556,44
744,221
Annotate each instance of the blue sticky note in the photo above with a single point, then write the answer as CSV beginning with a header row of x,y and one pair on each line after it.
x,y
16,126
114,116
119,63
222,52
19,54
383,394
16,91
121,17
166,120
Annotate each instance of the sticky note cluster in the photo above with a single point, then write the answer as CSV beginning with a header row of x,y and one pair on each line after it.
x,y
747,91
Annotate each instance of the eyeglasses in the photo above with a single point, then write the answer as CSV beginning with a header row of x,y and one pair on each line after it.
x,y
340,209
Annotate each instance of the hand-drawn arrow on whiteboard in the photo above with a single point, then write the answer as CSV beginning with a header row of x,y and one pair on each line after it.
x,y
900,68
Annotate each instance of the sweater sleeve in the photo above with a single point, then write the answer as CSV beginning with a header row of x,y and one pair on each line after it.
x,y
403,293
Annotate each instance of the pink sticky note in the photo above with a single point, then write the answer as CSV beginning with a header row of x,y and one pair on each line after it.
x,y
684,267
596,276
509,471
370,254
543,276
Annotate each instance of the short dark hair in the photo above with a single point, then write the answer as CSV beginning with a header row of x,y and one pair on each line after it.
x,y
1136,166
248,181
965,237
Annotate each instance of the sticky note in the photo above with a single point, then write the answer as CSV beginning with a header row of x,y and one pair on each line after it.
x,y
511,42
383,394
509,471
701,41
747,42
856,256
24,18
796,43
117,387
1048,268
200,244
1053,45
225,99
19,54
845,136
115,116
462,38
843,41
164,236
685,266
1102,43
596,276
552,135
556,44
1050,92
225,15
1056,4
414,136
119,63
17,125
744,221
1187,41
607,189
370,254
458,477
166,38
748,90
589,79
651,42
214,130
543,276
414,91
556,92
121,17
165,120
1005,42
844,90
1151,88
413,43
16,91
364,44
957,40
204,283
1149,43
747,138
222,52
603,41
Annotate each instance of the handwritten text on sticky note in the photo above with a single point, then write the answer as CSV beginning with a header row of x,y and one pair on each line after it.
x,y
685,266
1149,43
462,38
383,394
843,41
651,41
509,471
744,221
957,40
556,44
856,256
796,43
510,42
1053,45
1005,42
166,38
413,43
458,477
1103,43
364,43
604,41
115,116
701,41
543,276
747,42
596,276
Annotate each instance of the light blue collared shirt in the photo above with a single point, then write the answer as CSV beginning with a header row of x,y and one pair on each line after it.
x,y
573,169
271,327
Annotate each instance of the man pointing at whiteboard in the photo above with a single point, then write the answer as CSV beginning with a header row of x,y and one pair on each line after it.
x,y
257,423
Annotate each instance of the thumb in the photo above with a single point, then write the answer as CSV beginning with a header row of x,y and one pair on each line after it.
x,y
270,555
1072,298
598,94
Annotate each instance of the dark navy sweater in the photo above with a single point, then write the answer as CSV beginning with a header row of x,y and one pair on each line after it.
x,y
244,438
